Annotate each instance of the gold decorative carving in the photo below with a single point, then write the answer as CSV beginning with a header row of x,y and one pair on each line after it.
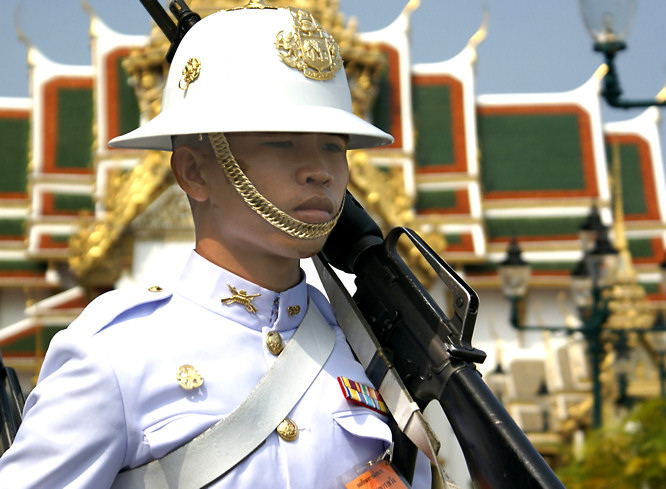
x,y
168,217
95,243
628,303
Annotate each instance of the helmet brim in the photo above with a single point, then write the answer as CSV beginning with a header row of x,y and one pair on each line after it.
x,y
156,134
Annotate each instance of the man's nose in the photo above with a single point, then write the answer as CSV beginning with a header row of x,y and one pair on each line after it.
x,y
314,169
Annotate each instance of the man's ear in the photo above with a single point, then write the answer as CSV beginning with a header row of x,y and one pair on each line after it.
x,y
187,164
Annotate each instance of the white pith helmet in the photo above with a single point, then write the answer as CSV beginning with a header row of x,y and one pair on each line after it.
x,y
244,83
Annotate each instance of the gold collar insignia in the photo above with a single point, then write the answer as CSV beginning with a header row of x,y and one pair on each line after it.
x,y
241,297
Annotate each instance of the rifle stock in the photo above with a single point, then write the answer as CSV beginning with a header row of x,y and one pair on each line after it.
x,y
432,353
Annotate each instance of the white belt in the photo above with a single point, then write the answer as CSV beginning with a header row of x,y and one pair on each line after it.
x,y
222,446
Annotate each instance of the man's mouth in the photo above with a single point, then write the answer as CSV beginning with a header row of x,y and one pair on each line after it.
x,y
315,210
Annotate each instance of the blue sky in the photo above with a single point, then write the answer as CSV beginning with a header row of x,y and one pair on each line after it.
x,y
532,46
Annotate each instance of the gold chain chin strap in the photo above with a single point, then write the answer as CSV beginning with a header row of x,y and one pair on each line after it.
x,y
258,203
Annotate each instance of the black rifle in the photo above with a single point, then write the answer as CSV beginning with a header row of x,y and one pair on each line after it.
x,y
173,32
11,406
433,354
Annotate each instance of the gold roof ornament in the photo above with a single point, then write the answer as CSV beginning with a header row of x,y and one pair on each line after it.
x,y
628,304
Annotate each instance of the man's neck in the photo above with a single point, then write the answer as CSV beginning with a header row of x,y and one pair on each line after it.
x,y
274,273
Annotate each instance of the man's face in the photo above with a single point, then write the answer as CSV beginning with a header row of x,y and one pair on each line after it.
x,y
304,175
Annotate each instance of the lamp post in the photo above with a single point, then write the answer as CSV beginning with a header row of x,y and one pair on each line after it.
x,y
609,23
514,278
593,279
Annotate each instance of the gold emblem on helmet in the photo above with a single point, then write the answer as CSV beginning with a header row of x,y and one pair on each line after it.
x,y
309,48
190,73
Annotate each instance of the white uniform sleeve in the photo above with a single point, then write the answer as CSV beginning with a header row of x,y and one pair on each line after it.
x,y
73,433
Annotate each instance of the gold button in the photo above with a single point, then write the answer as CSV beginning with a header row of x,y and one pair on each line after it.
x,y
288,430
189,377
293,310
155,288
274,342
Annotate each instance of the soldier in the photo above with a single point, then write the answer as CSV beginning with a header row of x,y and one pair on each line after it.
x,y
257,112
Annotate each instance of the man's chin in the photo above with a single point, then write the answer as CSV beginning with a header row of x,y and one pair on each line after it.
x,y
310,247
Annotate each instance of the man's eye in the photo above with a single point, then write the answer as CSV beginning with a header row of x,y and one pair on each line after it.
x,y
335,147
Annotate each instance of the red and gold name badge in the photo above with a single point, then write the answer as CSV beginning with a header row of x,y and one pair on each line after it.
x,y
379,476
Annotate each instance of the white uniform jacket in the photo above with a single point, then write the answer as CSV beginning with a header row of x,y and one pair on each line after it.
x,y
108,399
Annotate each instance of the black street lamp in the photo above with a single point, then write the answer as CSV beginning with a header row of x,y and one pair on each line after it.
x,y
514,275
591,279
609,23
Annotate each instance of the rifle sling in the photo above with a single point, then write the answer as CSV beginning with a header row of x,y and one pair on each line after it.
x,y
403,408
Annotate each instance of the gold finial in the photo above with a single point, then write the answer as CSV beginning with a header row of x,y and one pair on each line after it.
x,y
600,72
87,8
412,6
661,96
619,228
482,32
20,33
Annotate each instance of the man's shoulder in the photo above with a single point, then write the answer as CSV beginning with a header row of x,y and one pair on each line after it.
x,y
120,304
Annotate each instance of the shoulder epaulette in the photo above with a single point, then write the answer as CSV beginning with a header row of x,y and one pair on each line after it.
x,y
107,307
